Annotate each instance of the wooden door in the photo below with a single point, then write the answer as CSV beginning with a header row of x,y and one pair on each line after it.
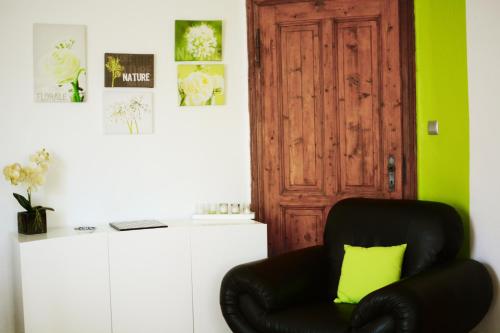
x,y
327,111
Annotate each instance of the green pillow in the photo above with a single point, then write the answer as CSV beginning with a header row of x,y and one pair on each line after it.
x,y
367,269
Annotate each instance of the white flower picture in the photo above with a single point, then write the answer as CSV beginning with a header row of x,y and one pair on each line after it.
x,y
59,53
127,113
198,40
201,85
201,42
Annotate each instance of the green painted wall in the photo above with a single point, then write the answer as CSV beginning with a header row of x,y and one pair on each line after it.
x,y
443,160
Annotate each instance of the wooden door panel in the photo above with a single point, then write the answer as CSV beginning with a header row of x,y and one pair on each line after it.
x,y
359,105
328,94
303,227
307,10
391,104
301,117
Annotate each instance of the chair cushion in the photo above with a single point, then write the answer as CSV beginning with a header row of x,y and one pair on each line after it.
x,y
309,318
368,269
433,232
304,318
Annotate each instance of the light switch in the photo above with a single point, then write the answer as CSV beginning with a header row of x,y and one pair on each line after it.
x,y
433,127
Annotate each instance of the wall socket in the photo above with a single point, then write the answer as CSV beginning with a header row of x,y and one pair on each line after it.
x,y
433,127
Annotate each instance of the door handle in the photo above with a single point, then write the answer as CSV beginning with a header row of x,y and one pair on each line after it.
x,y
391,171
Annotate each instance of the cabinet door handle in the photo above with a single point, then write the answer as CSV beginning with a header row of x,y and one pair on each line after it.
x,y
391,171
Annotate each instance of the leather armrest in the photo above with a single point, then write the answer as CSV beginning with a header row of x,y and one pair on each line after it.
x,y
277,282
452,298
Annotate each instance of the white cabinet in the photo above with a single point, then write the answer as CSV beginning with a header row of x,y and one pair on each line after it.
x,y
150,274
154,281
237,245
65,284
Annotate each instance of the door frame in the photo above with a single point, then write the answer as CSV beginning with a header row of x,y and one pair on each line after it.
x,y
408,98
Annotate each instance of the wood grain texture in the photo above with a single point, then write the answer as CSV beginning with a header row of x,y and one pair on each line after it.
x,y
408,96
300,121
359,105
303,227
330,103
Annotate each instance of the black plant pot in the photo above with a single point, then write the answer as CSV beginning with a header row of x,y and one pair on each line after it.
x,y
27,225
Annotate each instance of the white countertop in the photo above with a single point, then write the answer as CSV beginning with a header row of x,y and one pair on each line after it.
x,y
69,231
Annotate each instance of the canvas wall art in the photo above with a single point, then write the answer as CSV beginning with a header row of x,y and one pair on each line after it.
x,y
198,40
127,113
128,70
201,85
59,59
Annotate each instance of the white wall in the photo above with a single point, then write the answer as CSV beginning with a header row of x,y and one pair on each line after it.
x,y
483,29
199,155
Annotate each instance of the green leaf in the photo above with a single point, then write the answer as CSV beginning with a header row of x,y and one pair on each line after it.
x,y
23,202
43,208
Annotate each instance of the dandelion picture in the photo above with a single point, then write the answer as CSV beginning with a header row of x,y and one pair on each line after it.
x,y
128,113
114,67
198,40
59,53
201,85
128,70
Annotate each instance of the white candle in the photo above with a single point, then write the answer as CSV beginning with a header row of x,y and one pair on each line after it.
x,y
223,208
235,208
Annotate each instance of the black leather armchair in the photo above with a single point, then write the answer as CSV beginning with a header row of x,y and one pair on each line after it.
x,y
294,292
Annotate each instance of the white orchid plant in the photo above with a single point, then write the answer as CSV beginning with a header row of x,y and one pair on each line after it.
x,y
32,177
